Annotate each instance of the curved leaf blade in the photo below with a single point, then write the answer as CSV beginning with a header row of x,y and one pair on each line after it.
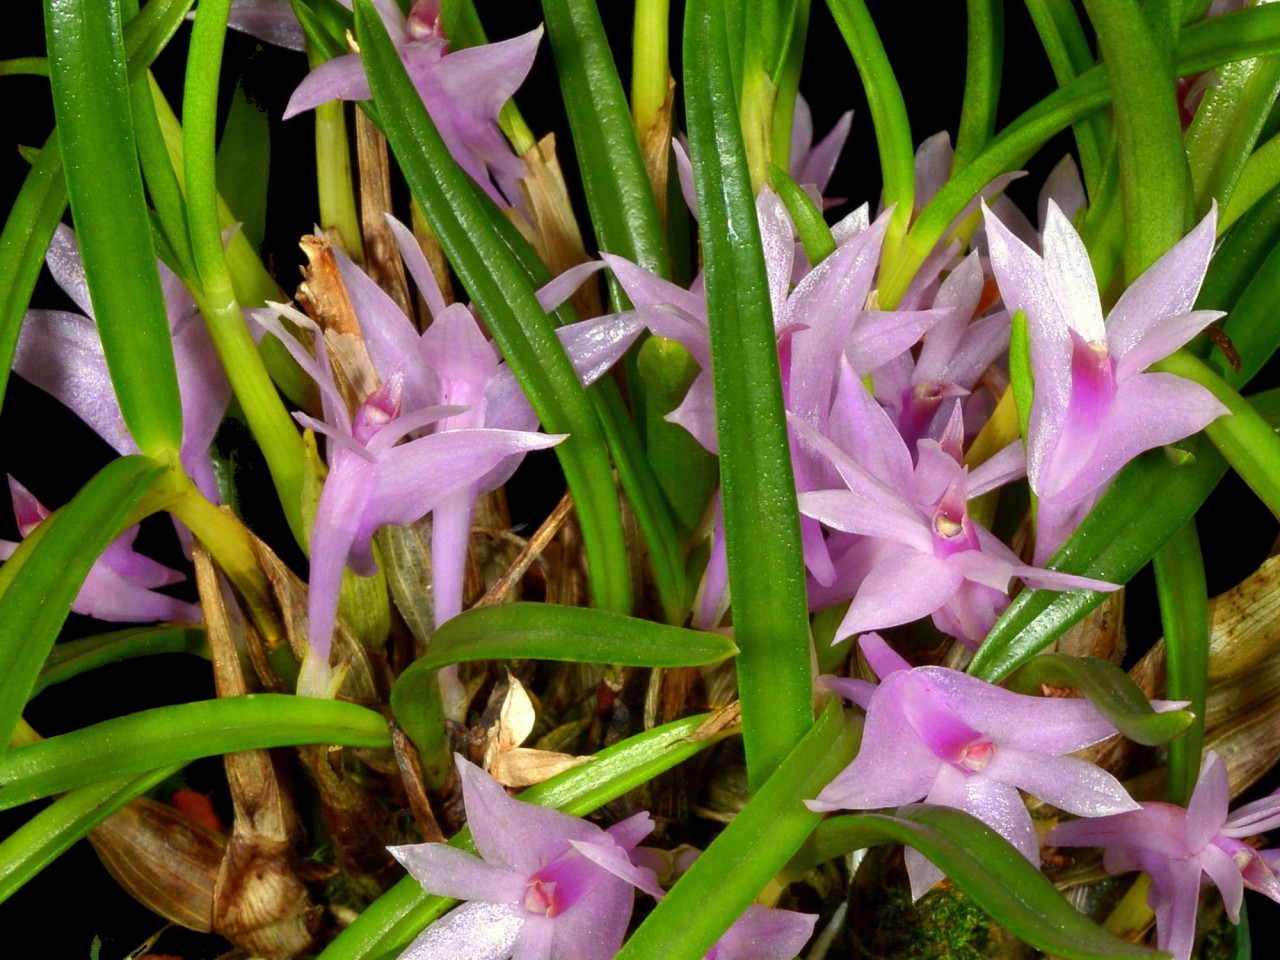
x,y
47,835
74,657
985,866
165,736
505,297
91,103
45,573
1109,689
761,518
752,849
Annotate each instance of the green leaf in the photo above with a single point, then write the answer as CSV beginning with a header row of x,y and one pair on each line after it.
x,y
165,736
620,200
1154,178
985,866
1109,689
43,576
74,657
812,229
981,78
388,925
1244,438
1227,123
762,521
1259,177
888,114
1145,506
1069,54
542,631
243,154
48,834
1184,613
1253,32
505,297
750,851
91,103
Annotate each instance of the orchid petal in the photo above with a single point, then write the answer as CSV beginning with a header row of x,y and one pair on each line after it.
x,y
473,931
455,873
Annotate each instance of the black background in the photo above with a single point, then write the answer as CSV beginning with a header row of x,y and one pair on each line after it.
x,y
54,454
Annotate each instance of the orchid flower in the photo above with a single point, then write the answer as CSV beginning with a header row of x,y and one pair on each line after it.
x,y
947,738
1178,848
545,885
61,353
463,90
1094,408
373,481
454,362
927,556
121,585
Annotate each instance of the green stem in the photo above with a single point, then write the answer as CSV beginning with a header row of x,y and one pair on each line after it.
x,y
981,79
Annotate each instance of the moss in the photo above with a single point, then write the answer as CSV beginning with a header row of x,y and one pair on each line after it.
x,y
945,924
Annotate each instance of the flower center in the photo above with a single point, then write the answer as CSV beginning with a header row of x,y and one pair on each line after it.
x,y
540,897
977,755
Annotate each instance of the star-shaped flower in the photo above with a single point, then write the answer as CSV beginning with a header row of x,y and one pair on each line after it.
x,y
463,90
1094,408
121,585
546,885
947,738
1179,848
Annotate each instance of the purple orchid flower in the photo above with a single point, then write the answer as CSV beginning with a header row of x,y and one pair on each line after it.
x,y
1178,848
453,362
929,557
1094,408
61,353
375,481
947,738
121,585
546,885
463,90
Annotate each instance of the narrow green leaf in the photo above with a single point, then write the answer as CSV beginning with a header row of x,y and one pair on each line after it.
x,y
984,60
48,834
91,104
43,197
27,232
243,153
762,522
812,229
750,851
1251,325
1147,503
1244,438
505,297
1153,167
74,657
620,200
45,573
1260,176
541,631
985,866
1069,54
786,81
1145,506
1249,33
1227,124
1184,613
1238,261
1109,689
165,736
388,925
888,114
